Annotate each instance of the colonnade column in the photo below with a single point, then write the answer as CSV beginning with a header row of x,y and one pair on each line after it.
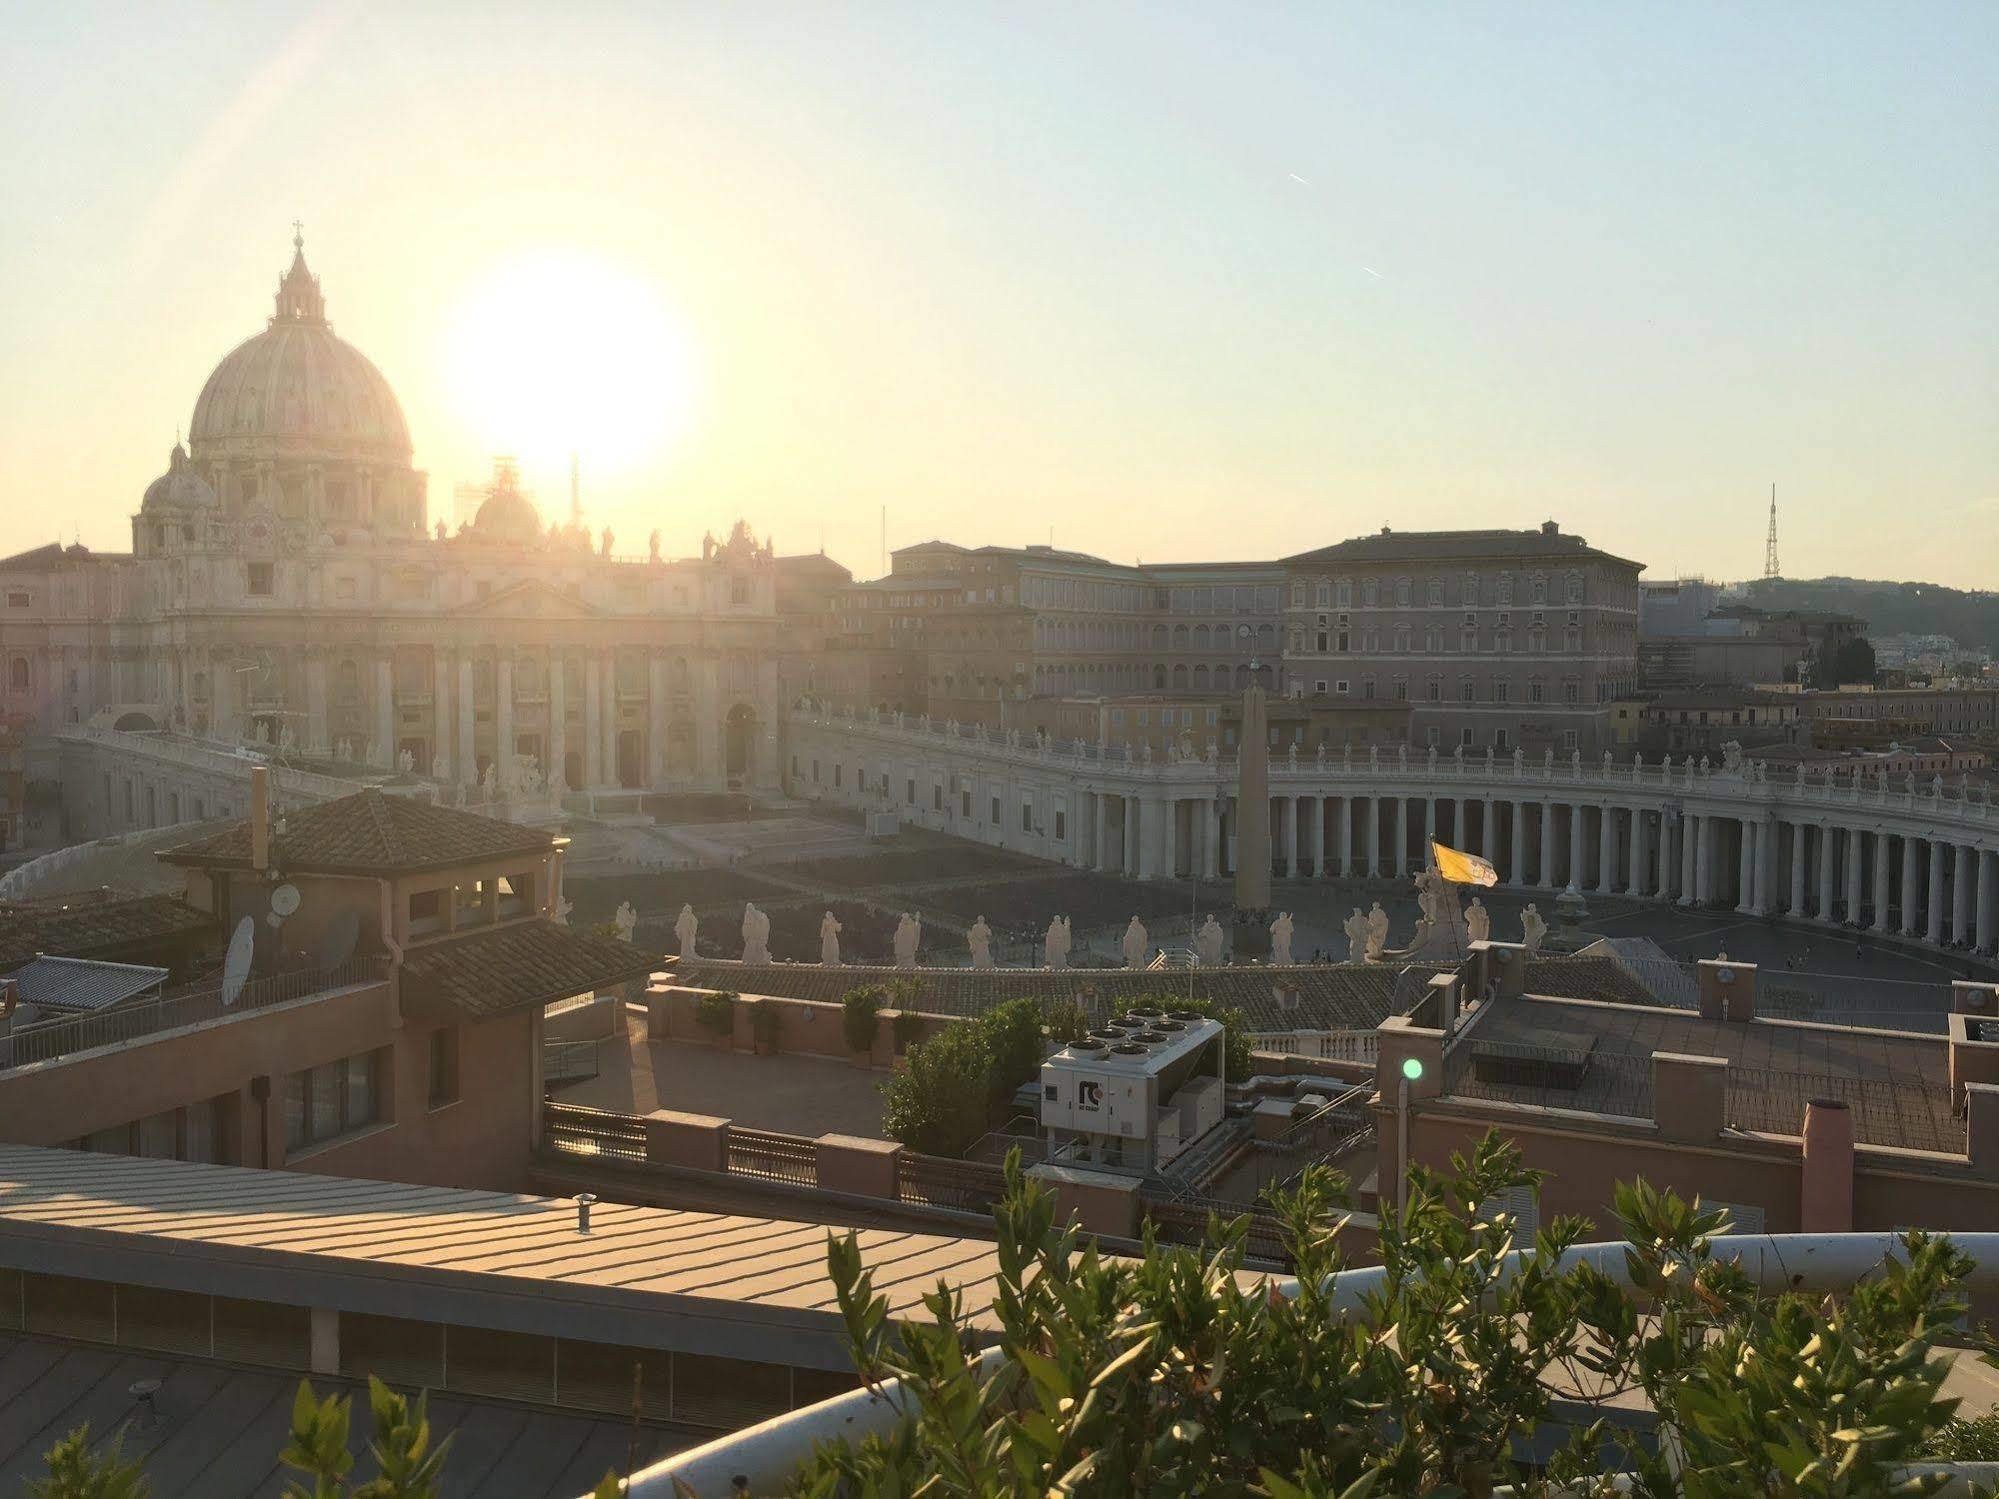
x,y
1606,850
1211,838
1489,849
1547,880
1578,847
1987,897
316,741
1521,872
1346,835
1852,911
1370,856
593,721
1169,836
1429,829
468,758
1101,843
1745,867
1690,857
1318,806
610,733
1828,889
656,721
1880,891
385,713
1911,882
1636,874
1668,862
1401,859
441,757
1960,896
1798,870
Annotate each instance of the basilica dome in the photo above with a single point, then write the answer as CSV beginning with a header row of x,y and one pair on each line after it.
x,y
295,390
180,487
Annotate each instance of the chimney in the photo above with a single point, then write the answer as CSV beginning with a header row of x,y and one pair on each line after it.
x,y
260,817
1727,990
1825,1204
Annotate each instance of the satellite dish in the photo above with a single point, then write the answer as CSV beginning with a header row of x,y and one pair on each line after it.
x,y
336,944
236,967
284,900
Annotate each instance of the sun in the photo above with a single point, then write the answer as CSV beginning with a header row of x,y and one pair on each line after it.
x,y
559,351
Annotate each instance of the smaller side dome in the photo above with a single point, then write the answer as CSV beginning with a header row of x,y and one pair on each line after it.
x,y
180,487
506,514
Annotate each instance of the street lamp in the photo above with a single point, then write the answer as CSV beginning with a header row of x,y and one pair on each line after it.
x,y
1412,1070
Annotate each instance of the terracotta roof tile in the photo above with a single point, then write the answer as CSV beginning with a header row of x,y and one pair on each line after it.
x,y
498,970
84,927
370,833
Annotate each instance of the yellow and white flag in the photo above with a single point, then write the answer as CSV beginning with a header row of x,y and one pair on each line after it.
x,y
1462,869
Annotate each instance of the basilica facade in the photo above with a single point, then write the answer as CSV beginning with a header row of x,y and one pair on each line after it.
x,y
285,586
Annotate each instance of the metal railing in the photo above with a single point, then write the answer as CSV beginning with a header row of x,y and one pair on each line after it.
x,y
769,1156
564,1062
1331,1046
576,1130
192,1005
934,1181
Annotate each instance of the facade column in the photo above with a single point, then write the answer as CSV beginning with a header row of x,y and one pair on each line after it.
x,y
1828,880
1317,804
1102,840
1960,897
1745,867
610,736
593,721
1521,872
1429,829
1578,847
1933,896
385,713
1346,836
1134,830
708,719
557,769
1911,883
1880,882
1547,880
1635,873
222,692
656,723
1987,898
1168,812
1668,862
316,741
1487,850
1401,861
1211,838
468,758
503,713
442,760
1798,844
1606,850
1288,815
1370,857
1692,839
1852,901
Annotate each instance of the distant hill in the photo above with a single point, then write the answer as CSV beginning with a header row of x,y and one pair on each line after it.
x,y
1972,619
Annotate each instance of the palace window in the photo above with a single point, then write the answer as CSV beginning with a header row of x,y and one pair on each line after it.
x,y
325,1102
258,579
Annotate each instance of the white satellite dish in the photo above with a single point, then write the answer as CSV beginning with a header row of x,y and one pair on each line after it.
x,y
284,900
236,967
336,944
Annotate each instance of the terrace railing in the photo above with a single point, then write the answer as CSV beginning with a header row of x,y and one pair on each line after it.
x,y
765,1154
176,1009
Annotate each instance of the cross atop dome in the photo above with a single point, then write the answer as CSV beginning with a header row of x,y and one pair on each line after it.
x,y
299,299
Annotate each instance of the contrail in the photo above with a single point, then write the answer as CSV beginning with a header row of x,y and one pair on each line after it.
x,y
1299,180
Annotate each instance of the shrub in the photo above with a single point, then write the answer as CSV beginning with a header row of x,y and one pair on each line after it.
x,y
1971,1439
1175,1374
716,1013
1065,1020
937,1103
766,1021
75,1472
908,1029
858,1011
1014,1045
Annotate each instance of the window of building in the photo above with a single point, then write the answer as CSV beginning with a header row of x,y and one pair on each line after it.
x,y
964,804
1499,689
1572,693
1533,692
1061,825
1401,689
1430,736
443,1066
325,1102
258,576
16,599
996,810
516,895
1569,740
1499,739
469,904
1027,817
1342,687
17,674
1320,687
1435,690
1464,737
426,912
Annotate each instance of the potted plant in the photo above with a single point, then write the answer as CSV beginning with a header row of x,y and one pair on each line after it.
x,y
765,1023
716,1014
860,1012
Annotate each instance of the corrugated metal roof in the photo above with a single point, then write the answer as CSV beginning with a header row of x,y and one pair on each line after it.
x,y
83,985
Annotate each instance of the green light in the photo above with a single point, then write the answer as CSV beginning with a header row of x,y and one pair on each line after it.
x,y
1412,1068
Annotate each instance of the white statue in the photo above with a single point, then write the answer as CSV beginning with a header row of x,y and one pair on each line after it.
x,y
829,940
1208,943
1478,921
1280,940
1137,945
684,927
908,934
980,940
756,934
1377,932
1055,944
562,910
489,783
1533,927
627,922
405,762
1355,926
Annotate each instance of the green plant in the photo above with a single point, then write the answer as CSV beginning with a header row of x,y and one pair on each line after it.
x,y
1235,1029
1967,1439
1064,1020
1014,1045
936,1103
74,1472
908,1029
716,1012
406,1467
1176,1374
858,1011
766,1022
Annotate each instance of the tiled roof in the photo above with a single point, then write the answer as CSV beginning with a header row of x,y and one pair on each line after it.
x,y
369,833
83,926
1581,977
498,970
1332,997
81,986
1440,546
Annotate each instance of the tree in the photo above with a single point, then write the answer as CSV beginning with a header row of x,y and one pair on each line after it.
x,y
937,1103
1853,662
1176,1374
74,1472
1235,1029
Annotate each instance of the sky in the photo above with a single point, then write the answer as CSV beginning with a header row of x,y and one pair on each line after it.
x,y
1159,282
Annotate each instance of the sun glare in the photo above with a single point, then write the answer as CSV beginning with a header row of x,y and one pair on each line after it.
x,y
559,351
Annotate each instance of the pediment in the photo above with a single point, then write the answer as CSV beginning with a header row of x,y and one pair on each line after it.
x,y
530,599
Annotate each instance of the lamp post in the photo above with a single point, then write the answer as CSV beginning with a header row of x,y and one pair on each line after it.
x,y
1412,1069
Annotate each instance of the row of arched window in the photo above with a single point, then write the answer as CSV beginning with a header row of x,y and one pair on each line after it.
x,y
1403,591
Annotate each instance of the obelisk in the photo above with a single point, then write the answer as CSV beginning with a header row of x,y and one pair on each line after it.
x,y
1252,835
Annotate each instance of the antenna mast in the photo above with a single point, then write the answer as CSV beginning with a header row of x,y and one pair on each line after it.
x,y
1770,547
575,493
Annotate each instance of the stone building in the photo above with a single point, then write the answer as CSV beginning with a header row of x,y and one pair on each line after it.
x,y
1498,639
283,586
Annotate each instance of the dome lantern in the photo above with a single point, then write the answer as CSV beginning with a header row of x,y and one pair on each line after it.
x,y
299,297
